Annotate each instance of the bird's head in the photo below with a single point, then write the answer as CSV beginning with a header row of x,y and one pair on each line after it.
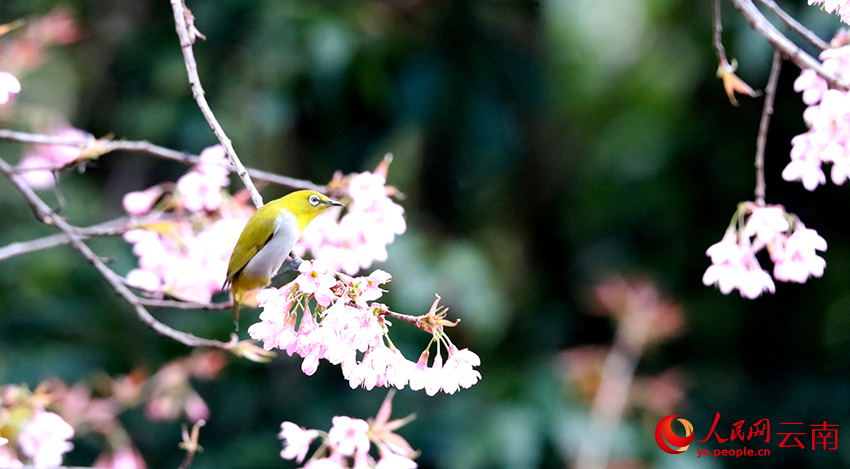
x,y
305,205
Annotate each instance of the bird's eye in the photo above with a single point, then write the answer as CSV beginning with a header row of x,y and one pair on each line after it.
x,y
314,200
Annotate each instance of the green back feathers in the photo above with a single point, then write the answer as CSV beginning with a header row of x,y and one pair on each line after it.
x,y
255,235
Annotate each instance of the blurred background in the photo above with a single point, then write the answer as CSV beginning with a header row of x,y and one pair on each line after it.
x,y
542,146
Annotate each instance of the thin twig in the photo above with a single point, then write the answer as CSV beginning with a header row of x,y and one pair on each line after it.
x,y
718,28
761,140
105,146
114,227
45,215
198,93
795,25
780,42
405,317
184,305
615,381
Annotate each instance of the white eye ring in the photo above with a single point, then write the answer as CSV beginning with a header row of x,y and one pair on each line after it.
x,y
314,200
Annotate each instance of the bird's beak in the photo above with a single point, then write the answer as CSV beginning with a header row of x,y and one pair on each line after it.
x,y
334,202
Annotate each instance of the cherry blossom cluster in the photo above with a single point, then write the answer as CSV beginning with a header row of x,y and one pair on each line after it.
x,y
43,441
346,327
37,425
792,248
353,241
348,442
842,7
828,118
186,257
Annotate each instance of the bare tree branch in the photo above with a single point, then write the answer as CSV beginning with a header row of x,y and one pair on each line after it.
x,y
180,17
105,146
185,305
114,227
44,214
795,25
718,28
761,140
783,44
615,381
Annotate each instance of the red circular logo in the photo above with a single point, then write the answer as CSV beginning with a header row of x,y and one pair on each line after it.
x,y
664,433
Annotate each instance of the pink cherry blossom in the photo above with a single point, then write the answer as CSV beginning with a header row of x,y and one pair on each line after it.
x,y
765,223
141,202
348,435
199,193
435,379
367,187
297,441
215,165
812,86
276,328
754,281
458,371
369,287
805,165
9,86
144,280
316,280
201,187
45,439
798,259
727,265
420,374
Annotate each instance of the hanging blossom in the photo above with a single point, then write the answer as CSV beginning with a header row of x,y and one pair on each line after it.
x,y
828,118
358,238
842,7
348,328
347,444
186,257
9,87
792,247
45,439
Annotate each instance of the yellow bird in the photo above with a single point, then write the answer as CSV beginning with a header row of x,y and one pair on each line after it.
x,y
268,239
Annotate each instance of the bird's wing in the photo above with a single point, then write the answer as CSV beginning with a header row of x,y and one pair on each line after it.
x,y
245,251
